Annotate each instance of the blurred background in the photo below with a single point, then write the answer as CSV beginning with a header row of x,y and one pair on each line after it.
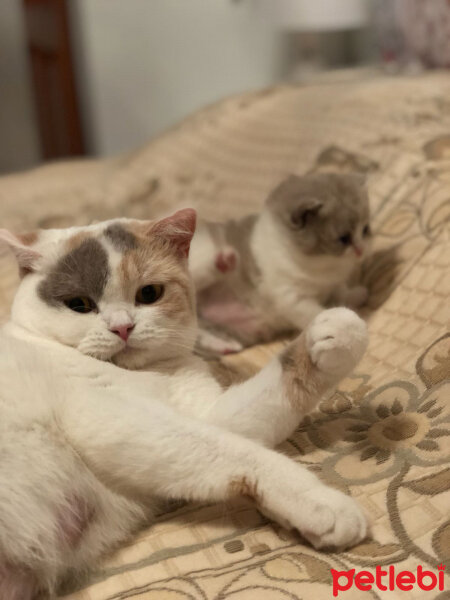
x,y
100,77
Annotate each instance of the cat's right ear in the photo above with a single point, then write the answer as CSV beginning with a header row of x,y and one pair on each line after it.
x,y
178,229
22,248
306,212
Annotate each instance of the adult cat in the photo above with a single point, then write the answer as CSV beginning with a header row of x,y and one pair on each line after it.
x,y
104,407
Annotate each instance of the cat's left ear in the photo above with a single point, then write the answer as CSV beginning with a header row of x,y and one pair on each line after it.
x,y
178,229
22,248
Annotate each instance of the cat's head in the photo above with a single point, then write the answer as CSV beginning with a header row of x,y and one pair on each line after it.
x,y
118,290
324,214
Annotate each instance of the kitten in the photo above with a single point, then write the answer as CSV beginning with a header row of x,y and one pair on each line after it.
x,y
104,407
274,272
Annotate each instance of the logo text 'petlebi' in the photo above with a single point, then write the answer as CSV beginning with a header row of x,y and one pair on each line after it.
x,y
388,579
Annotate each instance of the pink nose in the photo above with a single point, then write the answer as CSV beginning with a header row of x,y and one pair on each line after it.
x,y
123,331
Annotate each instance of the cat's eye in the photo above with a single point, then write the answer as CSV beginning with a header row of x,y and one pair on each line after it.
x,y
346,239
366,230
81,304
149,294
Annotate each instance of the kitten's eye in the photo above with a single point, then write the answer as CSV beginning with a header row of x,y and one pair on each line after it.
x,y
346,239
83,304
366,230
149,294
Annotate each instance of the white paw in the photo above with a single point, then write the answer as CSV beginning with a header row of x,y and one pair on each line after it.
x,y
336,340
214,344
331,519
326,517
357,296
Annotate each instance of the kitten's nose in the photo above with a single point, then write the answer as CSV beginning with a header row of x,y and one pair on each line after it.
x,y
123,331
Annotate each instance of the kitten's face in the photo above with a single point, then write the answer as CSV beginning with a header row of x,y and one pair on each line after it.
x,y
118,290
326,214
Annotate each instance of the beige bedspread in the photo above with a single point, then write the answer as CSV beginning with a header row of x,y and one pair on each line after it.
x,y
384,436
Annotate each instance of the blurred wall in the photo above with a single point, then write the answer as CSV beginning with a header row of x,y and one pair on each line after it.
x,y
145,64
19,147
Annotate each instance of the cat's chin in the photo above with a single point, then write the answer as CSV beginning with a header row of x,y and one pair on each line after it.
x,y
122,355
133,358
144,358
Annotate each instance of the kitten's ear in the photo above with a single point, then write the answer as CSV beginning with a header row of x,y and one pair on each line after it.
x,y
306,212
283,190
178,229
21,246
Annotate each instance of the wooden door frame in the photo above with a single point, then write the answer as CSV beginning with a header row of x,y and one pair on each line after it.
x,y
53,78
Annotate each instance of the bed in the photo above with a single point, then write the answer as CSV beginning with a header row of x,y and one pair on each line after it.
x,y
384,435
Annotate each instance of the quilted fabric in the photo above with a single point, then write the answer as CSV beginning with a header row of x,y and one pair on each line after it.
x,y
384,435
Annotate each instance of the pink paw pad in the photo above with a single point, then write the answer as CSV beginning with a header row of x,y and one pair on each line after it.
x,y
226,260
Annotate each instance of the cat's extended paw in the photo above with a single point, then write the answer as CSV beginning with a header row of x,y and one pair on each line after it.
x,y
333,520
226,260
357,296
336,340
326,517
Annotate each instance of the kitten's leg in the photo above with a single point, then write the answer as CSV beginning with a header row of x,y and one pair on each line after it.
x,y
150,449
226,259
210,344
269,406
303,311
353,297
210,256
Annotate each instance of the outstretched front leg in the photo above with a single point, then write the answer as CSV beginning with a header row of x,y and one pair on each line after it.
x,y
149,449
268,407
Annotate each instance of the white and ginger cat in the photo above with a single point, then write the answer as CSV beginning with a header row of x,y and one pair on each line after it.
x,y
274,272
104,407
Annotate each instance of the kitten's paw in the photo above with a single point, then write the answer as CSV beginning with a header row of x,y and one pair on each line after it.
x,y
336,340
208,343
357,296
226,260
333,520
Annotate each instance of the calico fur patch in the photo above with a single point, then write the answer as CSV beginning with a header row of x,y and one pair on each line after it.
x,y
242,486
301,379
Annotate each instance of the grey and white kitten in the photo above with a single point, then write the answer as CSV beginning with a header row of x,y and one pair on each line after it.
x,y
274,272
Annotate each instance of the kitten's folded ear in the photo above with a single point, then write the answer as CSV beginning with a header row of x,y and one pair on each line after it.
x,y
21,246
305,213
178,229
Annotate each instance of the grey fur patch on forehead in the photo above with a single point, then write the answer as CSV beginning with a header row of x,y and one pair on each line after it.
x,y
347,188
83,271
326,196
121,238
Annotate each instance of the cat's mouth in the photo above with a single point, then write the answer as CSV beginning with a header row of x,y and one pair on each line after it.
x,y
104,351
127,349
